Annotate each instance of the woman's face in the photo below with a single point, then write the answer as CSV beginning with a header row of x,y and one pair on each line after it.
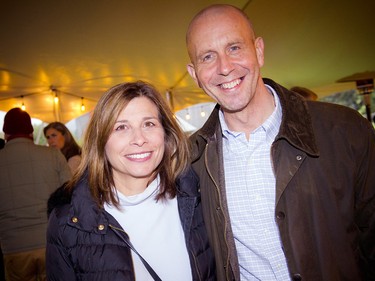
x,y
55,138
136,145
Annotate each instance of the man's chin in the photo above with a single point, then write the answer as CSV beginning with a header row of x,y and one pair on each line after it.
x,y
231,110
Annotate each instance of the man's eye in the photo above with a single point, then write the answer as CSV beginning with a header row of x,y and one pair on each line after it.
x,y
234,48
207,57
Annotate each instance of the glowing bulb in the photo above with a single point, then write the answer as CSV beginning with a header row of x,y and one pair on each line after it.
x,y
203,113
23,107
187,116
56,99
82,105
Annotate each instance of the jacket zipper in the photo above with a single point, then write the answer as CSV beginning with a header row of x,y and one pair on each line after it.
x,y
220,202
196,266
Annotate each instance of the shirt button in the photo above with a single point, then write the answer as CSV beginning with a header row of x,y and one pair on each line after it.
x,y
101,227
74,219
299,157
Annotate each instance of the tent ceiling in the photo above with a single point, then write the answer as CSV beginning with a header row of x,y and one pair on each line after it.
x,y
81,48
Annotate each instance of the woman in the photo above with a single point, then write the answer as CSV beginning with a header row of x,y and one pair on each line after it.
x,y
133,189
59,136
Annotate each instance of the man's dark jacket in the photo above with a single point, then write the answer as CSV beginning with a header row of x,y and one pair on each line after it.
x,y
324,163
83,245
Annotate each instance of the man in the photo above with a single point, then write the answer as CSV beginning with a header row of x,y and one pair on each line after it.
x,y
28,175
287,185
2,273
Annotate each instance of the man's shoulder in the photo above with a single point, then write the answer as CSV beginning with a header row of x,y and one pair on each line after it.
x,y
59,198
45,149
330,117
334,112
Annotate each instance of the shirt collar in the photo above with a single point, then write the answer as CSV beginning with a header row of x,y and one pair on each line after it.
x,y
271,126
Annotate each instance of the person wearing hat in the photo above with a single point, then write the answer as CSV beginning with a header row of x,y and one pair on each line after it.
x,y
29,173
2,274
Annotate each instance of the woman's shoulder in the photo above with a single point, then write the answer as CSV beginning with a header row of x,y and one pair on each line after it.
x,y
74,162
188,183
60,197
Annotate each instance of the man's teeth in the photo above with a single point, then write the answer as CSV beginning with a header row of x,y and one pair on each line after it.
x,y
139,156
231,84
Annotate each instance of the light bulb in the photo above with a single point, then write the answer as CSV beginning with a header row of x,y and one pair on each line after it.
x,y
23,107
82,105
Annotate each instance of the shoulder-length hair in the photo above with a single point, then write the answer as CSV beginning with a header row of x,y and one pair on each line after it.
x,y
70,148
95,164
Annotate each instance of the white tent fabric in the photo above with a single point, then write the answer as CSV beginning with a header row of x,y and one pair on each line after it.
x,y
78,49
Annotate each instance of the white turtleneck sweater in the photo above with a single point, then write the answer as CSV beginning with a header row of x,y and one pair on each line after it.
x,y
156,233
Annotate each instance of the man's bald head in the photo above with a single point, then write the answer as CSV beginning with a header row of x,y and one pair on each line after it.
x,y
214,11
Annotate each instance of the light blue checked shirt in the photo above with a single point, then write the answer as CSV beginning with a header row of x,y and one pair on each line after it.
x,y
250,188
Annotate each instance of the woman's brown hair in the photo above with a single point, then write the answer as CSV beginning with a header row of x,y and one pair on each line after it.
x,y
95,165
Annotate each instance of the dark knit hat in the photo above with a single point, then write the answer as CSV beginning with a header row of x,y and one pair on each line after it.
x,y
17,122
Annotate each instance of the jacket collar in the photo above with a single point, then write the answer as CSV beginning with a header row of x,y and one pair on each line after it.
x,y
296,126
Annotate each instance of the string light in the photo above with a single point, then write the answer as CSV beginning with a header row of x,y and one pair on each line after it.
x,y
56,99
203,113
82,105
23,107
187,116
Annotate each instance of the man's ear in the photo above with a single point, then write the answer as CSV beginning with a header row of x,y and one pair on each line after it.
x,y
191,70
259,47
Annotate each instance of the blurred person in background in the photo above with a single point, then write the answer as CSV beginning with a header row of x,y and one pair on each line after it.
x,y
59,136
2,273
307,94
29,173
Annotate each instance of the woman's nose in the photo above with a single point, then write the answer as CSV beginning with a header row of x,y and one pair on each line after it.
x,y
138,137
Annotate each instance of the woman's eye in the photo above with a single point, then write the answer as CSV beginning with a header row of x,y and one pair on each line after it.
x,y
149,124
120,127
